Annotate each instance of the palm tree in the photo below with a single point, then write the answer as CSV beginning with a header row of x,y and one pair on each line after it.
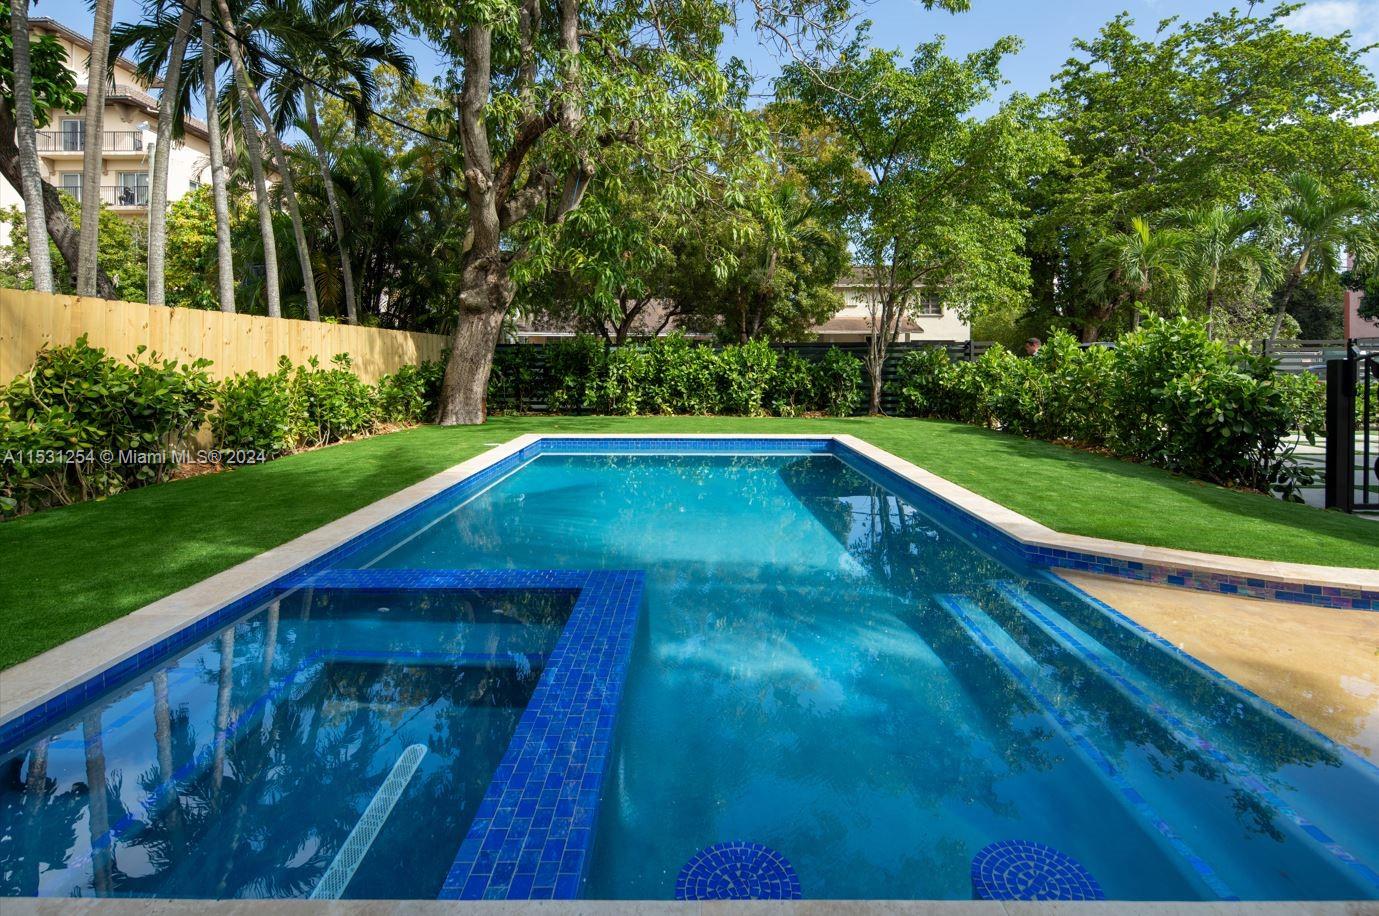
x,y
1322,227
225,265
34,213
250,105
328,43
162,153
1136,266
1221,240
97,67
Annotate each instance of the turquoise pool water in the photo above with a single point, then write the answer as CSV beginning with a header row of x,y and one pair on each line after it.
x,y
821,668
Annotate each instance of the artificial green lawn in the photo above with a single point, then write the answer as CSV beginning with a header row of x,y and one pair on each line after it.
x,y
66,571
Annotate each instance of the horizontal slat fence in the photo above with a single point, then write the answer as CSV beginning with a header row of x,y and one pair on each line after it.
x,y
233,343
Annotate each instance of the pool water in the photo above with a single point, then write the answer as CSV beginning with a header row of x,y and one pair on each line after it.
x,y
822,668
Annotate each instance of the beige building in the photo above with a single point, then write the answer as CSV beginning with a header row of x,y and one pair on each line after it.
x,y
131,123
852,323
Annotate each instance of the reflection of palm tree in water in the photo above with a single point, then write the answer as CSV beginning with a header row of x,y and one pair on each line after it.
x,y
50,821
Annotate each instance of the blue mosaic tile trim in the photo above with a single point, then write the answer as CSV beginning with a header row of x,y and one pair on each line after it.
x,y
737,871
533,833
1011,550
961,608
1216,677
1024,870
672,445
1181,731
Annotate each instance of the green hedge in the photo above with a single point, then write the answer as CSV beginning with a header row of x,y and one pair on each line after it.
x,y
1167,395
674,375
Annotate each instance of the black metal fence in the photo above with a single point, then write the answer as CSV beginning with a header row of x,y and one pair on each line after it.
x,y
1352,430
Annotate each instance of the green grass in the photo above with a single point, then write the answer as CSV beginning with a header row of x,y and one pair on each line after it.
x,y
67,571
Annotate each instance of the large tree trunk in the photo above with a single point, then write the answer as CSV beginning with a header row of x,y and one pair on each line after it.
x,y
60,229
346,273
484,299
31,184
289,191
220,182
93,142
272,287
162,155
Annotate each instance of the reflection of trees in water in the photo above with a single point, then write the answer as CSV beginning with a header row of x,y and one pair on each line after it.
x,y
48,817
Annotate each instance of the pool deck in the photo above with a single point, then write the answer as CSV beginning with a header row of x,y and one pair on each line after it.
x,y
1320,664
31,907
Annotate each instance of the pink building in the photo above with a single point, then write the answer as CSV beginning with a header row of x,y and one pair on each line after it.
x,y
1355,326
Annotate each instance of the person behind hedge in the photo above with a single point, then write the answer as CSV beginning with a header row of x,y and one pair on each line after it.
x,y
1032,346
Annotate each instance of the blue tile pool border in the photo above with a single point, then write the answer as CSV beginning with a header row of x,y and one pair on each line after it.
x,y
986,536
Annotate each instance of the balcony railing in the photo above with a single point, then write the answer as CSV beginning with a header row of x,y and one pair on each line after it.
x,y
69,141
114,195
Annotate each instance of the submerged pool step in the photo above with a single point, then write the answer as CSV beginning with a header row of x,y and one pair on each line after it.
x,y
1036,683
1111,668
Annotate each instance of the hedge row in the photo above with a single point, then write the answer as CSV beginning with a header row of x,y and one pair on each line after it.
x,y
674,375
81,425
1166,395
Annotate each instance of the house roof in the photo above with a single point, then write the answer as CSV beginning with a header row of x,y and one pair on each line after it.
x,y
120,92
848,324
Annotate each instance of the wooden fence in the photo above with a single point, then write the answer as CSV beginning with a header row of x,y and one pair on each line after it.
x,y
233,343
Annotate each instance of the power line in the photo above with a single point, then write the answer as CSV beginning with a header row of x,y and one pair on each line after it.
x,y
284,65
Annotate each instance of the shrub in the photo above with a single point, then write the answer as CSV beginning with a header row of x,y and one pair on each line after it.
x,y
261,413
925,378
410,394
792,386
512,383
338,403
617,391
745,374
838,388
122,422
573,367
679,377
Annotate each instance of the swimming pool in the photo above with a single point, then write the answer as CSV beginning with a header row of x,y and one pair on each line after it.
x,y
575,672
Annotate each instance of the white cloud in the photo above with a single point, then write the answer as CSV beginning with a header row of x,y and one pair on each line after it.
x,y
1327,17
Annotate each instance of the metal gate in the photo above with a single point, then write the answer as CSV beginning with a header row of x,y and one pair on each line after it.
x,y
1352,431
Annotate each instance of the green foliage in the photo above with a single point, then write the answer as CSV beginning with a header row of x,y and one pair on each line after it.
x,y
838,385
745,376
338,404
512,382
1168,395
260,413
410,394
573,366
682,377
54,84
82,425
792,387
121,253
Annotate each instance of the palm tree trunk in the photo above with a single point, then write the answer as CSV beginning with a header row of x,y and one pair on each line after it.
x,y
162,153
294,211
93,143
1285,300
35,218
272,289
1211,314
313,128
225,262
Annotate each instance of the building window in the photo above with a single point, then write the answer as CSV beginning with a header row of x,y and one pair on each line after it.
x,y
71,183
930,305
73,133
132,190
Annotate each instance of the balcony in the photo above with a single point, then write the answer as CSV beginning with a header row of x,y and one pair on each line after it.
x,y
115,195
71,141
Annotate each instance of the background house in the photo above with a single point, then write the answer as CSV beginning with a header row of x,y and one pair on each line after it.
x,y
852,323
131,124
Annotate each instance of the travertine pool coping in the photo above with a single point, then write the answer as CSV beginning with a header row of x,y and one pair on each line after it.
x,y
31,683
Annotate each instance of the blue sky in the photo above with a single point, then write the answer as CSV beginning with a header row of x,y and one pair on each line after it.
x,y
1047,28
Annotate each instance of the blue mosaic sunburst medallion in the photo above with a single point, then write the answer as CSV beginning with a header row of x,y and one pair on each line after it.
x,y
737,871
1023,870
